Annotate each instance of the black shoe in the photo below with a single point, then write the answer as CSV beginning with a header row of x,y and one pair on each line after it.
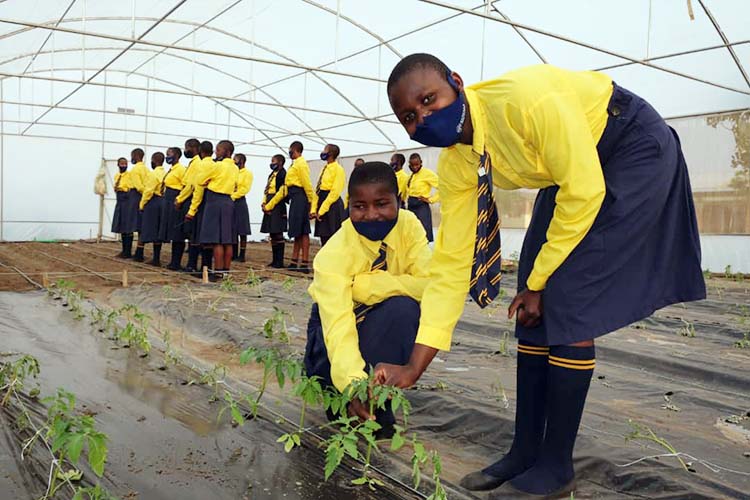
x,y
189,270
174,267
293,266
139,258
479,481
154,263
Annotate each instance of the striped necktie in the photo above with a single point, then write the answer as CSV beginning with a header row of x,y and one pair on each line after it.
x,y
380,264
485,269
271,179
320,179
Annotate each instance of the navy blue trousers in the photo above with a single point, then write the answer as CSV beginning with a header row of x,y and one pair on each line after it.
x,y
385,336
642,252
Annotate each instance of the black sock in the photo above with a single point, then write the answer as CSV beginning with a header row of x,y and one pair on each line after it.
x,y
570,371
207,255
531,394
157,252
178,247
138,252
127,244
193,252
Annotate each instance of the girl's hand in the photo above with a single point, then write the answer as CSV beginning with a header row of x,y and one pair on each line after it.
x,y
528,306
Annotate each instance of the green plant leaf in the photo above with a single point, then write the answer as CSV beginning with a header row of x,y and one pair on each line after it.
x,y
74,446
360,480
237,415
289,445
397,442
97,453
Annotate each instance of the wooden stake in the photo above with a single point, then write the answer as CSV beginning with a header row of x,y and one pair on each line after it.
x,y
205,274
45,280
124,278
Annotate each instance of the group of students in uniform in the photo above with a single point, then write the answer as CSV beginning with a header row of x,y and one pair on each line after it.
x,y
612,238
202,204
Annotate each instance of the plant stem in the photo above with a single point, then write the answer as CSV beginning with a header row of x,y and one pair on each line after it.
x,y
302,416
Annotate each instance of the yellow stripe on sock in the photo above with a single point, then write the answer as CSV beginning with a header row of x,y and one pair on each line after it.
x,y
573,361
535,353
573,367
534,347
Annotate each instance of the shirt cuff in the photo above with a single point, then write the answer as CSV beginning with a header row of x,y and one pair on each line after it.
x,y
535,282
437,338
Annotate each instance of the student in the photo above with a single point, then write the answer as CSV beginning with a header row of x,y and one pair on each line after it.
x,y
124,220
220,178
419,195
327,208
359,162
137,177
171,187
612,238
397,164
367,284
195,213
183,202
151,207
241,213
298,188
274,221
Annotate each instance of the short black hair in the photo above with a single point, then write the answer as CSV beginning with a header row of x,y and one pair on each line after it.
x,y
176,151
279,158
229,145
334,151
400,159
206,148
415,155
412,62
123,159
192,143
296,146
374,172
362,160
138,153
158,157
242,157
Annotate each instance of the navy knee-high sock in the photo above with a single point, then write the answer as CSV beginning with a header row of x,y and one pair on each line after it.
x,y
193,252
531,396
570,371
207,255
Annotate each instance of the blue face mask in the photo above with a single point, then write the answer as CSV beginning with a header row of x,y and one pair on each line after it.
x,y
290,154
443,127
133,161
274,166
394,166
375,230
169,160
218,158
188,154
324,156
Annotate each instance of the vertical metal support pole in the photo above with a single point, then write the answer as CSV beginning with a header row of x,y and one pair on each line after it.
x,y
83,44
336,43
2,158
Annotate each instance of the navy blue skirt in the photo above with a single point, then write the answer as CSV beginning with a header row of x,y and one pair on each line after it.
x,y
299,212
642,252
423,213
275,222
331,221
119,217
218,219
151,227
241,218
173,220
134,216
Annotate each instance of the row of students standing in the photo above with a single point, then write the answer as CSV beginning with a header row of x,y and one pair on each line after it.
x,y
203,204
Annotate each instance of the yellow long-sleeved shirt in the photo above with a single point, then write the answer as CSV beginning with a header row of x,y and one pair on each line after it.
x,y
205,165
244,182
343,277
540,126
122,181
138,175
189,179
402,178
332,179
219,176
422,183
175,178
153,185
298,175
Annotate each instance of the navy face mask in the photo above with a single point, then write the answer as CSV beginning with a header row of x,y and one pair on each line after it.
x,y
189,154
375,230
169,160
274,166
442,128
324,156
133,161
122,169
290,154
394,166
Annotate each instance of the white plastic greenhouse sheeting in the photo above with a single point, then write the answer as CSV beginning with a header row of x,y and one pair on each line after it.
x,y
265,72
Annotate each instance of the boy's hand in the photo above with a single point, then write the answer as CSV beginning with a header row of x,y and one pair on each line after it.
x,y
188,218
528,306
177,205
358,409
401,376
